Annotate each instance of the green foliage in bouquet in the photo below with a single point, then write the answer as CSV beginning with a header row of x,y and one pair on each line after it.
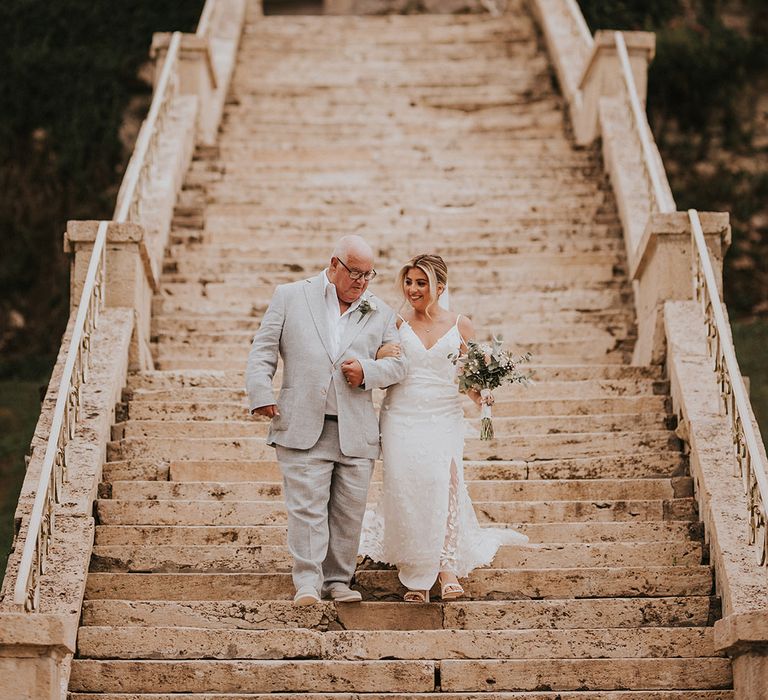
x,y
485,367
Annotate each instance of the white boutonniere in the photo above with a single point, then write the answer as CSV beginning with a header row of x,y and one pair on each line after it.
x,y
366,306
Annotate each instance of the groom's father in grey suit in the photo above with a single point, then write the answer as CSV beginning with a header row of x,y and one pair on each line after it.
x,y
327,330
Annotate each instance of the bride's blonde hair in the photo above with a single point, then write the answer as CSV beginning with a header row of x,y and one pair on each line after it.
x,y
434,267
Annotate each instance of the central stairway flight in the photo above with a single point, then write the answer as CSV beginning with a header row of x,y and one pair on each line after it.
x,y
428,133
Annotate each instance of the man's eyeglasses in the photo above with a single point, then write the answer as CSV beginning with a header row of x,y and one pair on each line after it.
x,y
357,274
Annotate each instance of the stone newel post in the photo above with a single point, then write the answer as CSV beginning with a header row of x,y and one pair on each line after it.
x,y
602,77
662,271
129,279
197,77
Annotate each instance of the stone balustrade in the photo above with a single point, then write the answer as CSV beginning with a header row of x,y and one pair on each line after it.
x,y
597,77
37,644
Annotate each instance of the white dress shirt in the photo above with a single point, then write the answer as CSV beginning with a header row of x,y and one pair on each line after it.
x,y
337,325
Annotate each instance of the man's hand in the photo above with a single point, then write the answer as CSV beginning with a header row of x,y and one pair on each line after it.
x,y
268,411
353,372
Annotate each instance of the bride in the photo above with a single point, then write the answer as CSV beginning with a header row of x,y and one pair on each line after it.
x,y
424,523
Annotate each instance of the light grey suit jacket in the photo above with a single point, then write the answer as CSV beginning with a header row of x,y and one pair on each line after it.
x,y
296,326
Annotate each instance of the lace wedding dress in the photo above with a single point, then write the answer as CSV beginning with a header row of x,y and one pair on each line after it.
x,y
424,522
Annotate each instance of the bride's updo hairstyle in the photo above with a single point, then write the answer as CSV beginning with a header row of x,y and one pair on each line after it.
x,y
434,267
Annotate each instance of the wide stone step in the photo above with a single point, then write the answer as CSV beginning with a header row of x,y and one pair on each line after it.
x,y
485,490
258,246
560,268
154,379
277,558
271,535
191,424
632,613
575,351
482,584
598,338
398,676
146,409
201,512
185,643
456,192
662,464
250,676
244,298
486,325
524,447
534,695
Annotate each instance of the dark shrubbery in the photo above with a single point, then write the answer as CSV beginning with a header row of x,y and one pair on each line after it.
x,y
70,68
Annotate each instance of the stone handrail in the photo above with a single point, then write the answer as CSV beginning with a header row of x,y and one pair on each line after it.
x,y
651,164
581,23
41,523
206,17
752,467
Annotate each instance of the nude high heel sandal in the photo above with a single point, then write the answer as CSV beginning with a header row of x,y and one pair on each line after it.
x,y
416,597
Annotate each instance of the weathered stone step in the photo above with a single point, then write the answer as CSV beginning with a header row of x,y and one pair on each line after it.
x,y
599,337
489,584
575,352
250,214
216,297
689,611
534,695
514,124
202,512
184,643
317,255
662,464
265,535
524,410
518,48
273,535
221,490
389,30
250,676
236,191
398,676
523,447
226,387
155,379
567,674
239,424
390,233
565,267
277,558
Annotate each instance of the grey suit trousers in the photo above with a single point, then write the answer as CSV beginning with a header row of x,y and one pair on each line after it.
x,y
325,495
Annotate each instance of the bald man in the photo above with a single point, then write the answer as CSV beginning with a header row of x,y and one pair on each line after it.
x,y
324,428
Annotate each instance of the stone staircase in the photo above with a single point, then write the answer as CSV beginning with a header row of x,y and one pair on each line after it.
x,y
422,133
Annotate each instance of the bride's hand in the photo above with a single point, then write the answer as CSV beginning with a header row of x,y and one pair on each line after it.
x,y
477,397
388,350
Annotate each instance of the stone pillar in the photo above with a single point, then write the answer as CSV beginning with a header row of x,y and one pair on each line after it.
x,y
32,648
604,77
197,76
129,281
663,271
744,637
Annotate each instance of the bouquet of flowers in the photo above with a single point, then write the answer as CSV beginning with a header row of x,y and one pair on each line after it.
x,y
483,368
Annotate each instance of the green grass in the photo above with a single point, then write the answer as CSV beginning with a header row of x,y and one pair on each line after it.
x,y
19,410
751,341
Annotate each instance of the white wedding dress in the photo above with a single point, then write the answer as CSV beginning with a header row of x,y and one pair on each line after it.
x,y
424,522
